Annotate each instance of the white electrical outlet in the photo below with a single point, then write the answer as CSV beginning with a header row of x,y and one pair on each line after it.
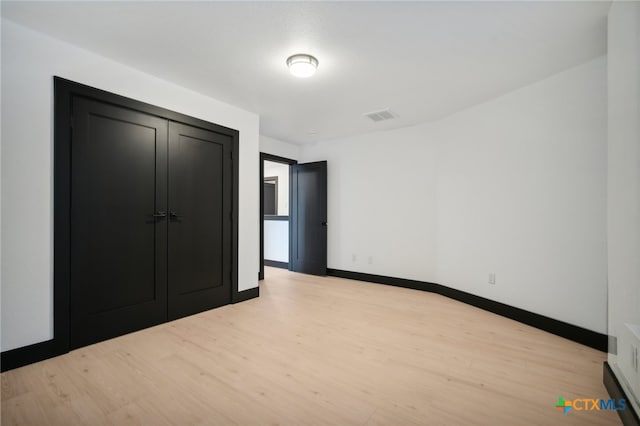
x,y
370,260
354,257
629,356
492,278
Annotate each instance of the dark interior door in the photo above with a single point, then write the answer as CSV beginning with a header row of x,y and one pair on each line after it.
x,y
308,218
269,198
200,207
119,231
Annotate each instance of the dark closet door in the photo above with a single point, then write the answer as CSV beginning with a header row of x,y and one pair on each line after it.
x,y
200,206
118,228
308,217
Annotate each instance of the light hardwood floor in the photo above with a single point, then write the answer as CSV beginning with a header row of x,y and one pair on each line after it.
x,y
314,351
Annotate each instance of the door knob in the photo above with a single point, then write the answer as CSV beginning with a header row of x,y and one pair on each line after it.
x,y
174,215
160,214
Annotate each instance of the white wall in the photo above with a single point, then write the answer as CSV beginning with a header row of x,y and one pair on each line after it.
x,y
1,24
277,147
276,233
624,171
276,240
381,202
281,171
514,186
29,61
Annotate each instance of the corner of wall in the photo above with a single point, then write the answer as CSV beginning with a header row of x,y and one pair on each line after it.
x,y
273,146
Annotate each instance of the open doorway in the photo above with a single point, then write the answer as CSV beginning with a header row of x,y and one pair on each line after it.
x,y
275,198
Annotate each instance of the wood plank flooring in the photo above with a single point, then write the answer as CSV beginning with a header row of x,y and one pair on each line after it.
x,y
317,351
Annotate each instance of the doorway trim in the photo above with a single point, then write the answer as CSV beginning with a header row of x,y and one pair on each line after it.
x,y
276,159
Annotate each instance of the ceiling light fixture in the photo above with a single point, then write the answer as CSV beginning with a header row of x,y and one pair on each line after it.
x,y
302,65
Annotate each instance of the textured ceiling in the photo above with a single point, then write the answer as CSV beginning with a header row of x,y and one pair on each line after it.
x,y
423,60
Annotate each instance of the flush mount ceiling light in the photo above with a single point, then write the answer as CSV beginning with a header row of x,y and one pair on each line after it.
x,y
302,65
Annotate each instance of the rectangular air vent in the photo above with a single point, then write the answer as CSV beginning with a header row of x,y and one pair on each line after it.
x,y
382,115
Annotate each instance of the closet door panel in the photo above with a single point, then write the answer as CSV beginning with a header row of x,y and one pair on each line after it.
x,y
118,267
199,266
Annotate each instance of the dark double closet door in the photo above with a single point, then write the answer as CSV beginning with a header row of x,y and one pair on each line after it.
x,y
151,203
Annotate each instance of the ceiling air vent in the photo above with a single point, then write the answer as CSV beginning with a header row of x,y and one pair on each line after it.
x,y
382,115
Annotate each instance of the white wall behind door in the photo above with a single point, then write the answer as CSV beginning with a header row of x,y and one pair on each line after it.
x,y
276,240
281,171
